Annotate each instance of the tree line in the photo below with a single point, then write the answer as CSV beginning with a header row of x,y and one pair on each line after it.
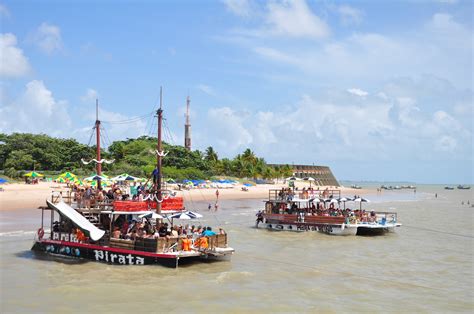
x,y
20,152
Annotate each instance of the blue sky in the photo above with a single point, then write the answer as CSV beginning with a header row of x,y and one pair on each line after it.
x,y
377,90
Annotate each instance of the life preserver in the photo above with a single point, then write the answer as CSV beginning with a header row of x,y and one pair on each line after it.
x,y
40,233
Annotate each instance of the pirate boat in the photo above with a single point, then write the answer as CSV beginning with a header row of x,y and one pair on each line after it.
x,y
87,233
319,211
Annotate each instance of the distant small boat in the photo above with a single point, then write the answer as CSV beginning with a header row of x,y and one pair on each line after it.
x,y
448,188
355,186
464,187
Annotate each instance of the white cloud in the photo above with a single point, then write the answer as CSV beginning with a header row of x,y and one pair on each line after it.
x,y
228,127
4,12
358,92
295,19
439,46
90,96
239,7
350,15
13,62
47,38
400,122
282,19
36,111
206,89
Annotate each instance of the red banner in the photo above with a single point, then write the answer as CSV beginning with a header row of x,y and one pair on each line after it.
x,y
175,203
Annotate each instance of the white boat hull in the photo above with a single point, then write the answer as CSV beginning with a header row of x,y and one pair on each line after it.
x,y
327,229
341,230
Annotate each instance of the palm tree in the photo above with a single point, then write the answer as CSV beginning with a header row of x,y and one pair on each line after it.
x,y
249,156
210,155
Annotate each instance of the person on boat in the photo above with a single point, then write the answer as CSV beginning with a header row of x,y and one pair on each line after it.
x,y
208,232
186,243
373,216
174,231
80,236
87,197
259,217
163,231
202,242
222,231
116,233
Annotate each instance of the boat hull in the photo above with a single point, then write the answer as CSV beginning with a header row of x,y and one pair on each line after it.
x,y
117,256
341,230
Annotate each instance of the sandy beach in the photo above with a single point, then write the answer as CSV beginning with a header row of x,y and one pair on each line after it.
x,y
27,196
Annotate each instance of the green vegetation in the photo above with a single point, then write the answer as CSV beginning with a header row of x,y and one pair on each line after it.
x,y
20,152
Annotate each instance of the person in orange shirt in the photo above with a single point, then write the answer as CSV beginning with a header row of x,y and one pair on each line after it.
x,y
187,243
80,235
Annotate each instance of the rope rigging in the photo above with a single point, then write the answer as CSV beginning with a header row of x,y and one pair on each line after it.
x,y
130,120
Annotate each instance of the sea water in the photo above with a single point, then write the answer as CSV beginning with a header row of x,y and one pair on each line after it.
x,y
425,266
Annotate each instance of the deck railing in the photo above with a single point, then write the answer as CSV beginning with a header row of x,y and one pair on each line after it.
x,y
283,195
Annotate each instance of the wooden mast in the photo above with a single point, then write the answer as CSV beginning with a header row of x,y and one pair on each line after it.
x,y
97,129
159,114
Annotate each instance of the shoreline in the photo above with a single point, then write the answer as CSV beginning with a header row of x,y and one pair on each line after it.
x,y
18,196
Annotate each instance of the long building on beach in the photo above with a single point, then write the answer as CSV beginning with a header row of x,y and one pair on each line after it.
x,y
322,174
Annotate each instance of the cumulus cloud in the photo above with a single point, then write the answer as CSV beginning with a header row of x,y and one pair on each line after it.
x,y
228,126
439,46
396,123
358,92
350,15
281,19
13,62
47,38
36,111
295,19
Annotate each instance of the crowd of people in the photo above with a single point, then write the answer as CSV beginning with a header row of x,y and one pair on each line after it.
x,y
288,194
88,196
322,209
144,229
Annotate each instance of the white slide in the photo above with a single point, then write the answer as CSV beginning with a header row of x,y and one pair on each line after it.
x,y
66,210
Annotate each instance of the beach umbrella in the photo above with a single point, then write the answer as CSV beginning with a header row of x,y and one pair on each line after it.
x,y
361,200
292,179
68,175
316,200
344,200
152,215
61,180
102,183
182,216
193,214
131,178
96,177
33,174
310,179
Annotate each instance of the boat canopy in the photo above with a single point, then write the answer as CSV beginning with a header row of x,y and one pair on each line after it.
x,y
64,209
